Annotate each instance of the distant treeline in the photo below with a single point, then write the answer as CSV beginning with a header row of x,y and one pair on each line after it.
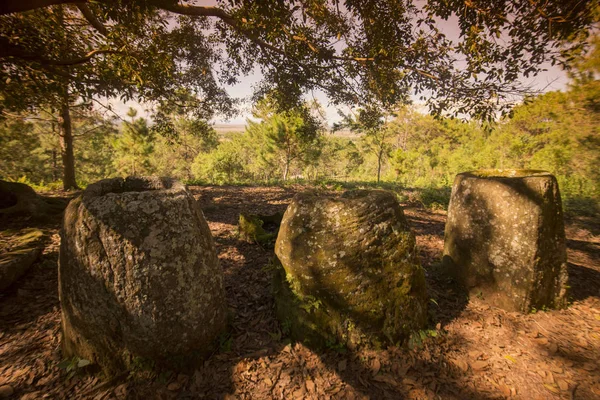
x,y
557,132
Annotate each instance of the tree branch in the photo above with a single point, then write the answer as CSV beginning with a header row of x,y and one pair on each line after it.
x,y
13,6
174,7
8,49
91,18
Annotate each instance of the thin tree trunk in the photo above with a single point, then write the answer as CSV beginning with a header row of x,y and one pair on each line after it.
x,y
54,166
379,157
66,145
66,128
287,169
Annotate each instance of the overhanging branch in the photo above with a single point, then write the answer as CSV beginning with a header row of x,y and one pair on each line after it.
x,y
91,18
13,6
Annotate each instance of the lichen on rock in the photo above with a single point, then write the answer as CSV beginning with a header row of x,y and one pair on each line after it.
x,y
139,276
505,239
349,271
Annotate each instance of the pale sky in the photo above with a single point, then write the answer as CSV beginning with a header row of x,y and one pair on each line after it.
x,y
552,79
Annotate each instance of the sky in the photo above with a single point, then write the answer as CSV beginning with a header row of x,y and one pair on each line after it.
x,y
552,79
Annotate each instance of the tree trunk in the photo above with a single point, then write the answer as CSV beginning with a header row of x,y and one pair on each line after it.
x,y
54,166
287,170
66,145
379,157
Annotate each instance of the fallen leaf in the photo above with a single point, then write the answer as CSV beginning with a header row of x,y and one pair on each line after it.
x,y
461,364
386,378
589,367
342,365
556,369
475,354
505,389
541,373
562,384
375,366
6,391
310,386
510,358
174,386
551,388
479,365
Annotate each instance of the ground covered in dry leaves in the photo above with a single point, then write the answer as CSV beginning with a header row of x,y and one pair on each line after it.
x,y
471,351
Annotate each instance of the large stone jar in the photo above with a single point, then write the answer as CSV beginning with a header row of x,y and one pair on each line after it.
x,y
350,271
139,278
505,238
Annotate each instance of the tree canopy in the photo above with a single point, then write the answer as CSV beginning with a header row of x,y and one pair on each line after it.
x,y
354,50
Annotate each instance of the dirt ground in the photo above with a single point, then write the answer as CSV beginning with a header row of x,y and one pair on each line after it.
x,y
477,352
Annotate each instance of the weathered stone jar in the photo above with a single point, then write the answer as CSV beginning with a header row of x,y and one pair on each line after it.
x,y
139,276
351,273
505,239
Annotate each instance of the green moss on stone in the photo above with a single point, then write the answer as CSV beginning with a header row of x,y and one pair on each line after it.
x,y
251,228
356,256
507,173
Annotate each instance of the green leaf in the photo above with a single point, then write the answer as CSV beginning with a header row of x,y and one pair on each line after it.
x,y
83,363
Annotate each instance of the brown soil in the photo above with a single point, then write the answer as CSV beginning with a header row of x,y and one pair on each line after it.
x,y
471,352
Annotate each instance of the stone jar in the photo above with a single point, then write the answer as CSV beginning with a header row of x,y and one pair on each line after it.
x,y
350,271
505,238
139,278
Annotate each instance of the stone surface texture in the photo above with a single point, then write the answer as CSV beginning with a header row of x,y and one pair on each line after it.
x,y
139,277
16,262
505,239
350,271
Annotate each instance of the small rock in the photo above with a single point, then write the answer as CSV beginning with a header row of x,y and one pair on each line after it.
x,y
174,386
6,391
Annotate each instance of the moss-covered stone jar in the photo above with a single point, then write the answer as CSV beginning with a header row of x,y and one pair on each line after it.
x,y
349,271
139,277
505,239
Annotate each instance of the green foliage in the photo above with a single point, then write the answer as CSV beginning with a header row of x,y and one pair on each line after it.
x,y
419,338
225,342
31,152
73,365
133,147
21,152
362,51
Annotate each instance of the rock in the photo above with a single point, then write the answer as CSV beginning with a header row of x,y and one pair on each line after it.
x,y
139,277
26,247
20,200
261,229
350,271
505,239
6,391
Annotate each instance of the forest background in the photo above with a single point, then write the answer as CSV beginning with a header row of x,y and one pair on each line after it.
x,y
556,131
